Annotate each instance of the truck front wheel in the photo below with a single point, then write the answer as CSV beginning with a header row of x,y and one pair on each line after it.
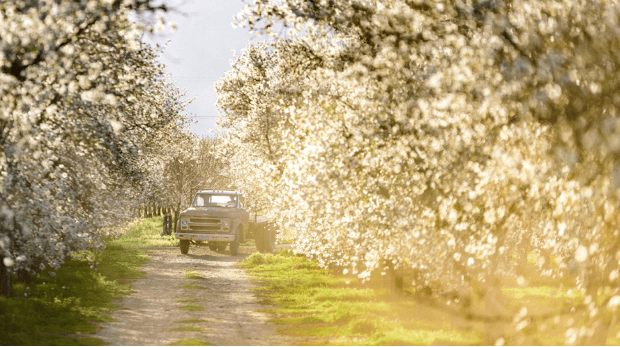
x,y
234,246
184,246
212,245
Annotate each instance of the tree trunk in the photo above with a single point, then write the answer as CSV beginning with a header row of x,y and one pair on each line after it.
x,y
170,223
5,280
177,211
522,250
23,276
602,320
601,329
393,279
493,296
167,224
546,255
494,308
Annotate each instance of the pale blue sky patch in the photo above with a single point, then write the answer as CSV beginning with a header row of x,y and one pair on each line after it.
x,y
200,52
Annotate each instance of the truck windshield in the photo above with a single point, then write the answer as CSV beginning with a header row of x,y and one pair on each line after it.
x,y
214,200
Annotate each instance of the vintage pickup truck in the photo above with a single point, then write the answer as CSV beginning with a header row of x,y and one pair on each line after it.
x,y
219,218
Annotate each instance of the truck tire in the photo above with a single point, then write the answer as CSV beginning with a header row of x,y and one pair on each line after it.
x,y
213,246
269,239
221,246
184,246
259,239
234,246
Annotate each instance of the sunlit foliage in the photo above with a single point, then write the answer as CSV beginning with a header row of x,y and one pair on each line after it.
x,y
444,138
85,116
195,165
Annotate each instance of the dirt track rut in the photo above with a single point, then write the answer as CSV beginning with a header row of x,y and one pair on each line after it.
x,y
227,311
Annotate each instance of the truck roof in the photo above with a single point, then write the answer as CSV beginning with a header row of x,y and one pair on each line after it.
x,y
223,192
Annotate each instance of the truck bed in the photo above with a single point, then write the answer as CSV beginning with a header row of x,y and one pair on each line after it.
x,y
259,220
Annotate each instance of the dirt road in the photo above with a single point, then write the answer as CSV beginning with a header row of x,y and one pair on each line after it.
x,y
201,296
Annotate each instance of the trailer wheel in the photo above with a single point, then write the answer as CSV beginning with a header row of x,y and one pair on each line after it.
x,y
184,246
269,239
259,239
234,246
213,246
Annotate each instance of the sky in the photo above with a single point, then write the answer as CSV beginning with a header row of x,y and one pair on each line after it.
x,y
200,51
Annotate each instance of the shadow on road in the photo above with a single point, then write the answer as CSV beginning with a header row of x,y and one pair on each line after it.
x,y
218,256
203,288
224,257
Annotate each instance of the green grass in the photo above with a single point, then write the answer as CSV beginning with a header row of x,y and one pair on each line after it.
x,y
191,308
60,310
286,236
250,242
193,276
146,233
192,286
320,307
187,300
191,321
189,328
190,342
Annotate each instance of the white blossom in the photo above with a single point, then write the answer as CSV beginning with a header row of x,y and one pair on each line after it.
x,y
426,135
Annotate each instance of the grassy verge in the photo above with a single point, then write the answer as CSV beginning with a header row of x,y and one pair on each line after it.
x,y
321,308
146,233
60,310
191,308
189,342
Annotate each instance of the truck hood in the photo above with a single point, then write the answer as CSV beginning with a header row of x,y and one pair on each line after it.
x,y
208,212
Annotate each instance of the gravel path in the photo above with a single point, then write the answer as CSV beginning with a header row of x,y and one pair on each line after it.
x,y
219,308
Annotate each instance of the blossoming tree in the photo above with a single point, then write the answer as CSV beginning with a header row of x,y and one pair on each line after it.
x,y
439,138
84,109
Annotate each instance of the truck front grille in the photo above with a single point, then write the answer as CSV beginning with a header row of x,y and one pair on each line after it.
x,y
204,227
205,220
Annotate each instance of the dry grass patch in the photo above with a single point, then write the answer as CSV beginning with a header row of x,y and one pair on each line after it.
x,y
191,308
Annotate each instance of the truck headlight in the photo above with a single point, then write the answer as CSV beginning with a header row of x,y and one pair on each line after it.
x,y
184,222
225,223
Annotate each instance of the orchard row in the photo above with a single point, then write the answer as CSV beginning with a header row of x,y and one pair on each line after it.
x,y
90,130
444,139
